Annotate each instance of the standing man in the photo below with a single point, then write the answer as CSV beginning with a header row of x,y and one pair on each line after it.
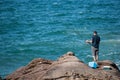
x,y
94,45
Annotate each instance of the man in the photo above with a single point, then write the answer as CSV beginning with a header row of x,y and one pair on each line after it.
x,y
94,45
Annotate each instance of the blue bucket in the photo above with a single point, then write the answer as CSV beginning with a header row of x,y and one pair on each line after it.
x,y
93,65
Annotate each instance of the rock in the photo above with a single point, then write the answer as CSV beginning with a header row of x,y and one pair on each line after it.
x,y
32,71
108,63
0,78
67,67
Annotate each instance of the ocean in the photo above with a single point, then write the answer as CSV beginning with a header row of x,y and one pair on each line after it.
x,y
31,29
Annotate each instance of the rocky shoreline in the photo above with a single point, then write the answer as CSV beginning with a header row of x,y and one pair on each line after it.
x,y
67,67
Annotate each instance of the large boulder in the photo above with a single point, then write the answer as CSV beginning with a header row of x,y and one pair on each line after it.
x,y
67,67
31,71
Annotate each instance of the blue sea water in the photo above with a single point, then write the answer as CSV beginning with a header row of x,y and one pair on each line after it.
x,y
48,29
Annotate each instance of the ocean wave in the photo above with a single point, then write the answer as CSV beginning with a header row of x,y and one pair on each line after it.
x,y
111,40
